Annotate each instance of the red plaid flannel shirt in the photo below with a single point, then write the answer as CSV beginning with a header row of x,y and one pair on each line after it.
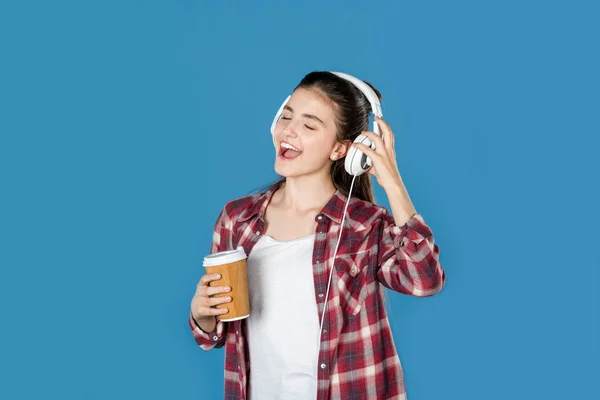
x,y
358,358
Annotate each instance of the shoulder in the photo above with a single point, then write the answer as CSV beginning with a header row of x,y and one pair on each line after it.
x,y
365,211
237,205
245,207
242,207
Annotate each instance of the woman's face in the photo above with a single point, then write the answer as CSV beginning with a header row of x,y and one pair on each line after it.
x,y
305,136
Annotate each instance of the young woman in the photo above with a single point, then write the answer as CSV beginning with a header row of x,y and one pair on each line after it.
x,y
289,232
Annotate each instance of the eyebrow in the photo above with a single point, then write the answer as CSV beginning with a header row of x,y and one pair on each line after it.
x,y
306,115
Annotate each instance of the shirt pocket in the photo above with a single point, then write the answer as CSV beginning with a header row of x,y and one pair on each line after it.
x,y
352,271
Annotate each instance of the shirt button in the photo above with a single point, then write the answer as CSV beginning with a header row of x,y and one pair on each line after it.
x,y
320,216
354,270
321,295
215,337
323,366
257,233
239,367
324,330
237,332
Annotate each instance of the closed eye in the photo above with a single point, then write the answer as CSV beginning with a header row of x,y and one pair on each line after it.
x,y
312,129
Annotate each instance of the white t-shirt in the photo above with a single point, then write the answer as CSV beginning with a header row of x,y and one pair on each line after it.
x,y
283,326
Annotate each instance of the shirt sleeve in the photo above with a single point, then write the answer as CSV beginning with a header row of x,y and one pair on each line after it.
x,y
409,259
208,340
221,239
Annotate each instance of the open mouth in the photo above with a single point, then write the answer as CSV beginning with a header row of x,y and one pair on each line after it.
x,y
288,152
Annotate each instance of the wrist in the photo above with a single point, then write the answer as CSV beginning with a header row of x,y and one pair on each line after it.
x,y
202,320
393,185
206,324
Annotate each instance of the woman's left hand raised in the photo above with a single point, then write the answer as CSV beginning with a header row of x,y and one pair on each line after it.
x,y
385,167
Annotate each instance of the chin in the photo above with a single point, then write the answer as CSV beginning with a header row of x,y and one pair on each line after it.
x,y
288,171
285,172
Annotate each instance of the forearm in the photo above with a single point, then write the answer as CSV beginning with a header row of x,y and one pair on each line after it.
x,y
409,259
400,203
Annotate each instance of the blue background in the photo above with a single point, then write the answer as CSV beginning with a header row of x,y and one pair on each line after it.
x,y
126,126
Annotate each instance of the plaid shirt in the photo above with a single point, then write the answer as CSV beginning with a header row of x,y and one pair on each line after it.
x,y
357,358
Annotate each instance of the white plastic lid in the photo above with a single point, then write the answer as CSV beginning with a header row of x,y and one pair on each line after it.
x,y
224,257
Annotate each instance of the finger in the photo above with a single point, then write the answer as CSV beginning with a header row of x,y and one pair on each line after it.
x,y
208,278
369,152
379,145
386,132
211,291
209,311
213,301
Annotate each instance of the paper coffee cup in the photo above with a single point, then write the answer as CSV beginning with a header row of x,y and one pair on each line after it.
x,y
232,267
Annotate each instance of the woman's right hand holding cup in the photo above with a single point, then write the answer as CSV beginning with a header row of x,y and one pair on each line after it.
x,y
203,302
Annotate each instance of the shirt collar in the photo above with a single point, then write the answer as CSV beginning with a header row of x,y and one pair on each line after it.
x,y
334,208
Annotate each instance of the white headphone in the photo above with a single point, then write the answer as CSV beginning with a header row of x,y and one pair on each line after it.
x,y
356,162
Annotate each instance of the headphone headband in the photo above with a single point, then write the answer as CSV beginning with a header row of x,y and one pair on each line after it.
x,y
362,86
367,91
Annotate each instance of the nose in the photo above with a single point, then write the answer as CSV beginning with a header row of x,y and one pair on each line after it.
x,y
288,129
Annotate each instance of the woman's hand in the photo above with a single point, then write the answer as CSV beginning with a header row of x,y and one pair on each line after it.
x,y
385,169
203,303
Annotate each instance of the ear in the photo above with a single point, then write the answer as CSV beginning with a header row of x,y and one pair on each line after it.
x,y
340,149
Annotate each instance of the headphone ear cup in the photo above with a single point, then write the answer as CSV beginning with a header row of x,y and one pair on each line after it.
x,y
277,116
365,162
357,162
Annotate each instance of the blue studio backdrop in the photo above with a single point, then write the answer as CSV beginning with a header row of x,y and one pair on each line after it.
x,y
125,126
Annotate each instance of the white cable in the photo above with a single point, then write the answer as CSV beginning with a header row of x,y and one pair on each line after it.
x,y
333,266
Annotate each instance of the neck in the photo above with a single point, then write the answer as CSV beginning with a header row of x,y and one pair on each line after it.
x,y
307,192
